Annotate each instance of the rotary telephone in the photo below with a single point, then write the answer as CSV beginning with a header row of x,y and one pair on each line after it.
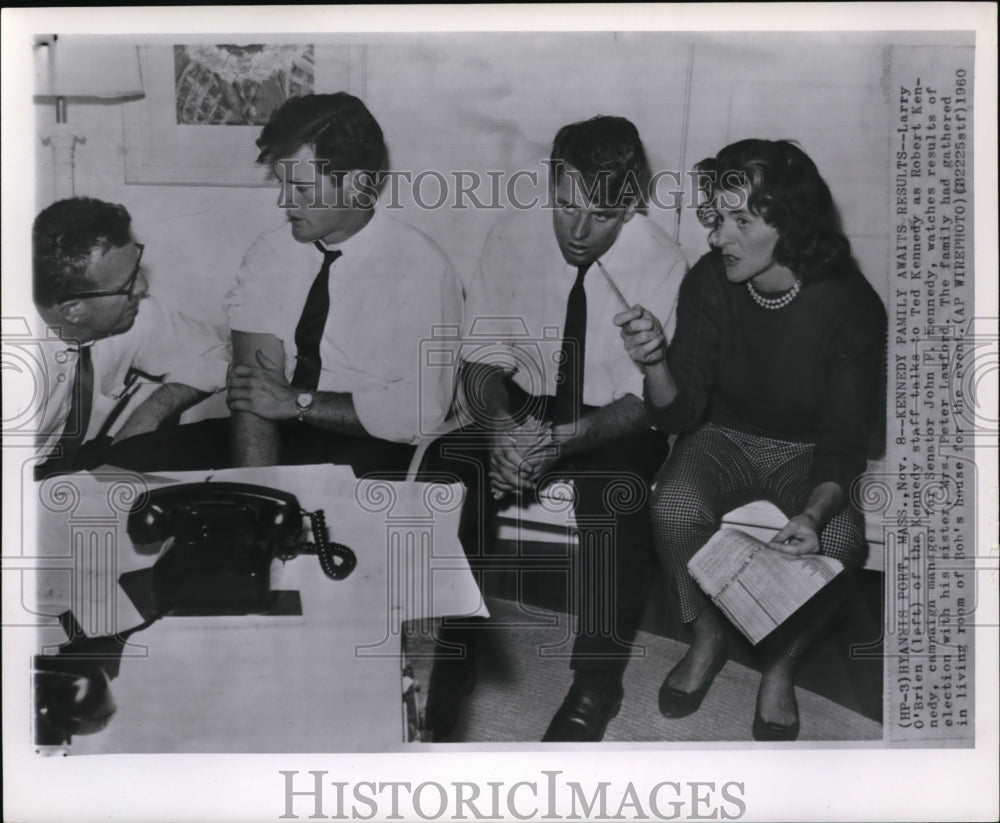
x,y
218,543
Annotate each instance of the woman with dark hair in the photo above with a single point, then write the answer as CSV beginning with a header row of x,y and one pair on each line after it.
x,y
773,379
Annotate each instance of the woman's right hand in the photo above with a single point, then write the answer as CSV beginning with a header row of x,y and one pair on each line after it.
x,y
643,335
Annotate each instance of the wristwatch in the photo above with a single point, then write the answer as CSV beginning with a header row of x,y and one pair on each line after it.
x,y
303,402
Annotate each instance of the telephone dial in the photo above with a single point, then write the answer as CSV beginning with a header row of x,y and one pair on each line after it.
x,y
218,541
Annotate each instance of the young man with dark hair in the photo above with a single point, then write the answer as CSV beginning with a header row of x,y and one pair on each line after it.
x,y
89,288
327,365
552,393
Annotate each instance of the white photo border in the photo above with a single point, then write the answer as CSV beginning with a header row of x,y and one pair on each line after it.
x,y
790,783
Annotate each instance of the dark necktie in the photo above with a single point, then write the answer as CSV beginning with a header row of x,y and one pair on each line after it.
x,y
309,331
569,385
80,407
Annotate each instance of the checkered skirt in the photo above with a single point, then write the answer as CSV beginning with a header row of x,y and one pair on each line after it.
x,y
714,470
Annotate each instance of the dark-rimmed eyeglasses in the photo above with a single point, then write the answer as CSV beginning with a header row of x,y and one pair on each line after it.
x,y
126,288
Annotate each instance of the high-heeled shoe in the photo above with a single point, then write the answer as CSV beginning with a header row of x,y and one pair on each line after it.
x,y
675,703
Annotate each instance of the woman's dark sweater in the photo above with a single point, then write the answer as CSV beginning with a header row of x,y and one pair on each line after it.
x,y
810,372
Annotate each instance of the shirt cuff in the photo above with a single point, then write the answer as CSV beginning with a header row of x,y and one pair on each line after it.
x,y
207,373
387,411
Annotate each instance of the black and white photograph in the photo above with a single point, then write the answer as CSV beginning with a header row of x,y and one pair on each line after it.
x,y
561,413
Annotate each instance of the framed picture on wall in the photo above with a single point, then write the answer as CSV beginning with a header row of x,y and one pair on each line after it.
x,y
205,104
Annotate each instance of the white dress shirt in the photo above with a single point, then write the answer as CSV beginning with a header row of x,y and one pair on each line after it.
x,y
392,293
162,344
516,308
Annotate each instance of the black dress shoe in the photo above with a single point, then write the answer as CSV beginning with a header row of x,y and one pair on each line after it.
x,y
585,713
453,677
765,731
452,680
674,703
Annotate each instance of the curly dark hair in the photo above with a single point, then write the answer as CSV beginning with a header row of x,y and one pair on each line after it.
x,y
609,154
787,192
338,127
63,240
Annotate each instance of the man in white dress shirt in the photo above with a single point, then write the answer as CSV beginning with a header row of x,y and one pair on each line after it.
x,y
109,336
553,393
329,311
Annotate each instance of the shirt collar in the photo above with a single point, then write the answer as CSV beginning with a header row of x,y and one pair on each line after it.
x,y
55,342
617,250
608,258
359,239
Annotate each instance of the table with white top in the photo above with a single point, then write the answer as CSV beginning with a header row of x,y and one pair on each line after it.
x,y
326,680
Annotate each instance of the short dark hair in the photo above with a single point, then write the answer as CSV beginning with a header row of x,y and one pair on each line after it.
x,y
338,127
609,155
788,193
63,240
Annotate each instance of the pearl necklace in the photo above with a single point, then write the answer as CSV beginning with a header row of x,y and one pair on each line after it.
x,y
774,303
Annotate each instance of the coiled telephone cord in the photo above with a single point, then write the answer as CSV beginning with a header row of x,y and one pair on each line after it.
x,y
336,559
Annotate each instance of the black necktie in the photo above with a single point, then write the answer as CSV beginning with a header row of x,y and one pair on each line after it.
x,y
569,385
80,407
309,331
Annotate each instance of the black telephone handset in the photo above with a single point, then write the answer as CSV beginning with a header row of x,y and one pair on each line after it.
x,y
223,537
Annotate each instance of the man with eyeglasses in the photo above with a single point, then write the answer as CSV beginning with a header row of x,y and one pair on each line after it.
x,y
108,338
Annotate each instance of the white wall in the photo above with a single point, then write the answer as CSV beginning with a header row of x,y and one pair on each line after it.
x,y
482,102
827,95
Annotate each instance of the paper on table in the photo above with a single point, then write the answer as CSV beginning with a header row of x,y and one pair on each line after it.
x,y
327,680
